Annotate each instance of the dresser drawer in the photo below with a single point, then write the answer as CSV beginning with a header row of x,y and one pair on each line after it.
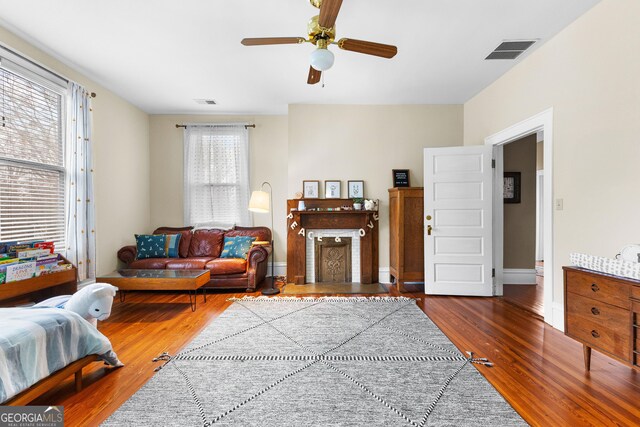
x,y
598,287
635,292
614,340
597,311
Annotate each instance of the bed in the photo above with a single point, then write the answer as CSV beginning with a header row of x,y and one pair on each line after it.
x,y
38,344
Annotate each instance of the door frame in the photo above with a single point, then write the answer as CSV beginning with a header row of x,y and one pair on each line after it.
x,y
543,121
540,214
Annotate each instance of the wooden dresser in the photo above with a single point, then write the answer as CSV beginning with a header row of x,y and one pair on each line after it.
x,y
603,312
406,235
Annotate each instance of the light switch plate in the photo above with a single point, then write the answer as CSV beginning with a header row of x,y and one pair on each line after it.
x,y
559,204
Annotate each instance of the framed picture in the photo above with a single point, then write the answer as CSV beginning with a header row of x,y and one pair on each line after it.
x,y
355,189
332,189
401,177
310,189
511,190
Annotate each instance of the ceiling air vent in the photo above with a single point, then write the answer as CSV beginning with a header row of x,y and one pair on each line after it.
x,y
206,101
510,49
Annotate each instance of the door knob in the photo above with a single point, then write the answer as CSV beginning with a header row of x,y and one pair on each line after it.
x,y
429,228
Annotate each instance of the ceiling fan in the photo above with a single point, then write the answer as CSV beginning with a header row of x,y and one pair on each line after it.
x,y
321,30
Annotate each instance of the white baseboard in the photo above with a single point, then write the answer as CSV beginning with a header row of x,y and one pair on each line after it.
x,y
281,270
519,276
86,282
558,316
384,276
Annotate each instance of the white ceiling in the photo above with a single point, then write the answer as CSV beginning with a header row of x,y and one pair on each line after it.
x,y
162,54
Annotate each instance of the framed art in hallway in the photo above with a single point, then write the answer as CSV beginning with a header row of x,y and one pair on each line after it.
x,y
355,189
332,189
310,189
511,187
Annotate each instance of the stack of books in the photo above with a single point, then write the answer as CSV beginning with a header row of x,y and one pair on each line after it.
x,y
24,260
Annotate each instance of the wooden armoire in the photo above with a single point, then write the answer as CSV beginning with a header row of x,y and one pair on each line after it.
x,y
406,235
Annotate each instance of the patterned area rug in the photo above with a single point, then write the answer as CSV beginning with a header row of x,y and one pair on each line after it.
x,y
319,361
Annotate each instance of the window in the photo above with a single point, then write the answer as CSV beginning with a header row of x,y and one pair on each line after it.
x,y
32,152
217,175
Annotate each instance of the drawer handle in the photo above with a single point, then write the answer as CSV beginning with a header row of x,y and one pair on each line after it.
x,y
595,311
595,334
594,287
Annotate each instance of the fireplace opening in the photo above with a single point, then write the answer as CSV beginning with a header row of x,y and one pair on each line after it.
x,y
333,260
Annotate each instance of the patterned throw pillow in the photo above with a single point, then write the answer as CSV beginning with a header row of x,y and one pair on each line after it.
x,y
150,246
236,247
171,245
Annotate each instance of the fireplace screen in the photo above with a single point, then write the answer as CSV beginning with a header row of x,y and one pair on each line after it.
x,y
333,260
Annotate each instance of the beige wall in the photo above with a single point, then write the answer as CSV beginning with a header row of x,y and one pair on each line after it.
x,y
268,162
358,142
589,73
520,218
353,142
121,159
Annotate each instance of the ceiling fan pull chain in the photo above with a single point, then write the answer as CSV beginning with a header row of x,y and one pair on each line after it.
x,y
322,77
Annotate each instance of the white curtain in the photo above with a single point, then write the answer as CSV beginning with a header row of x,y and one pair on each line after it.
x,y
216,174
81,236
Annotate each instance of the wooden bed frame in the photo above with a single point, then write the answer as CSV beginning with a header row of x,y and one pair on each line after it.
x,y
53,380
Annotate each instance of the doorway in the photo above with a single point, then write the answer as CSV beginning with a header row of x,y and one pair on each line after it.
x,y
522,226
553,310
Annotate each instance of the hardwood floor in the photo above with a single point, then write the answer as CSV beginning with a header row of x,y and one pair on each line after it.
x,y
527,297
537,369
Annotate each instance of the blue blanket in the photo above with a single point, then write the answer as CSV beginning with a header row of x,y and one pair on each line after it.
x,y
36,342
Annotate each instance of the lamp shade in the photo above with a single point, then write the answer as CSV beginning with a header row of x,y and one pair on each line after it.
x,y
321,59
259,202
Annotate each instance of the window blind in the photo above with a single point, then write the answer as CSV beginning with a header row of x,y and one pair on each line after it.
x,y
32,172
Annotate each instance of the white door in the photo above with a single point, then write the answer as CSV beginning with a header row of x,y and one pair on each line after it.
x,y
458,250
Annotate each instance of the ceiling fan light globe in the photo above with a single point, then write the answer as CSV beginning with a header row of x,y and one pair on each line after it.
x,y
321,59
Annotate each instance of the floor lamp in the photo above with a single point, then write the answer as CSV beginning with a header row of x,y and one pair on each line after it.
x,y
262,202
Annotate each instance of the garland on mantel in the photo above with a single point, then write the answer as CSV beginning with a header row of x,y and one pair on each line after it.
x,y
302,232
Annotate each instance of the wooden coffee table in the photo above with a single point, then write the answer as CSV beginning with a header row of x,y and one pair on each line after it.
x,y
159,280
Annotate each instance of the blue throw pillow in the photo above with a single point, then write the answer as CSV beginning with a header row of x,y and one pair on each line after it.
x,y
150,246
171,245
236,247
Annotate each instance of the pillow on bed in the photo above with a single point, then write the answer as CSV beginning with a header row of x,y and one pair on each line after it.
x,y
236,247
171,245
150,246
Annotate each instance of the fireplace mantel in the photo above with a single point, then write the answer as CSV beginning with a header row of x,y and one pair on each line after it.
x,y
326,220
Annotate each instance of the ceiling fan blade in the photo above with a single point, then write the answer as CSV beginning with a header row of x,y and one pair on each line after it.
x,y
272,40
314,76
370,48
329,12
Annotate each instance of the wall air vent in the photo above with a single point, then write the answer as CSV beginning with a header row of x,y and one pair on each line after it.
x,y
206,101
510,49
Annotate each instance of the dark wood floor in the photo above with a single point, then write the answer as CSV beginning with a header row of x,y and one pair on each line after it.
x,y
537,369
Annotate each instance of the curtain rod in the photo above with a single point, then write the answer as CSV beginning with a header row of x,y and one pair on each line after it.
x,y
212,126
9,52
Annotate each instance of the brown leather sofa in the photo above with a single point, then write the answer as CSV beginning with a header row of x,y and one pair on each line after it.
x,y
199,249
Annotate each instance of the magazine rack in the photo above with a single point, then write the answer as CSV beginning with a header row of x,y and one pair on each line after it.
x,y
40,288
